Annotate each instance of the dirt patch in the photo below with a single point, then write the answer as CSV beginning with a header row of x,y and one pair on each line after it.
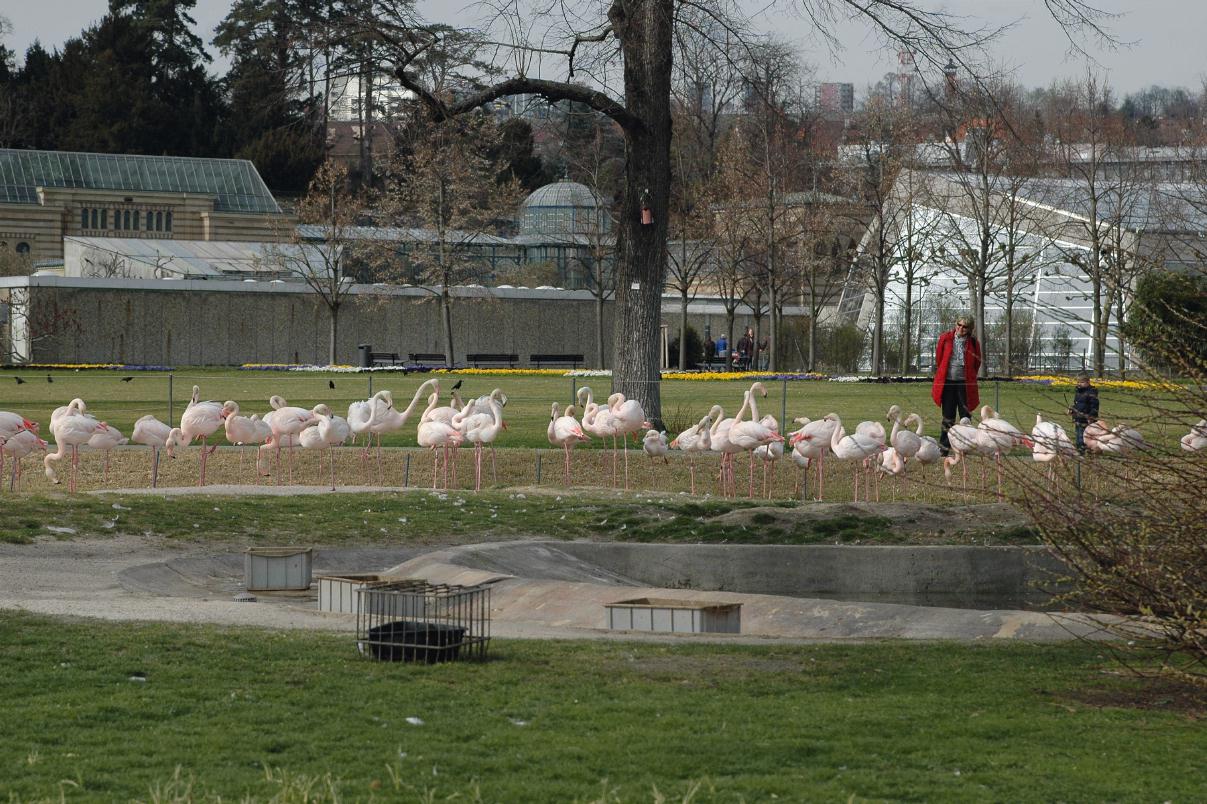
x,y
904,519
1158,694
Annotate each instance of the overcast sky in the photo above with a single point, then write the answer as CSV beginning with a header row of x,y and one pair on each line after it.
x,y
1166,38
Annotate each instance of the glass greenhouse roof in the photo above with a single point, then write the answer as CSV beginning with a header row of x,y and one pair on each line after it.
x,y
234,183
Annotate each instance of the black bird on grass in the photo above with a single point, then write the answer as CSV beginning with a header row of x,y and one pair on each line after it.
x,y
127,379
49,378
331,383
456,386
19,381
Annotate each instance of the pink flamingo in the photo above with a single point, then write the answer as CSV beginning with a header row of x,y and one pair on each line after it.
x,y
769,455
151,432
630,420
857,446
599,422
929,450
11,424
811,443
479,429
435,436
565,431
964,440
243,431
200,420
287,423
71,428
105,440
694,439
1196,439
1049,444
750,435
388,419
16,447
654,445
1004,436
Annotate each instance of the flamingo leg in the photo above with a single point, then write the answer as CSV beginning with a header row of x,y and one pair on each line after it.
x,y
566,447
12,481
154,467
204,456
625,443
691,468
75,462
331,463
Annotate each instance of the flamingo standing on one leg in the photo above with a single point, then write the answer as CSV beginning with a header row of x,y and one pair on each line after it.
x,y
105,440
480,429
750,435
811,443
965,440
693,440
151,432
857,446
11,424
1004,435
599,422
71,429
564,431
435,436
630,420
16,447
200,420
243,431
1049,444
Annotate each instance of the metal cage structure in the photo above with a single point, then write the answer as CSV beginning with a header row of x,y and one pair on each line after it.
x,y
417,621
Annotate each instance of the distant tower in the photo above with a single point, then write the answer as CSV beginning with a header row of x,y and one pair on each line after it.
x,y
951,84
905,76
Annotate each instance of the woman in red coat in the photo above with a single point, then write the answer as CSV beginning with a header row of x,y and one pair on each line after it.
x,y
957,361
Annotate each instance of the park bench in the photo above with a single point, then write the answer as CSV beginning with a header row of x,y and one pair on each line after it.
x,y
561,360
426,360
480,359
384,359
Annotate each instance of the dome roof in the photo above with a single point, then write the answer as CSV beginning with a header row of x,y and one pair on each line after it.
x,y
563,207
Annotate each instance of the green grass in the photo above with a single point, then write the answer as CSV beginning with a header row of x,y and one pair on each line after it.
x,y
422,517
572,721
527,413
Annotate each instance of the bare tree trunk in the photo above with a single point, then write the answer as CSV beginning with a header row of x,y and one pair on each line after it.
x,y
773,334
907,336
641,249
1008,360
683,331
446,316
334,308
599,330
878,336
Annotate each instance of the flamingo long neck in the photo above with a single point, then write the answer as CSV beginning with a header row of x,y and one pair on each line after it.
x,y
754,407
892,438
406,414
918,419
838,434
717,422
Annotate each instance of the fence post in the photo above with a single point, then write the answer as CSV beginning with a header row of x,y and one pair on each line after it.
x,y
170,399
370,396
573,397
538,467
784,407
406,472
997,395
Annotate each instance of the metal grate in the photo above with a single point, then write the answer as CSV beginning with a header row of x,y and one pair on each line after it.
x,y
417,621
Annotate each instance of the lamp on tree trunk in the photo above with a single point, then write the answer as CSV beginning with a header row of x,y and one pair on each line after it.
x,y
647,214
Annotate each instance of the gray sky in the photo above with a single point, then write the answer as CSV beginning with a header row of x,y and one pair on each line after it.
x,y
1166,37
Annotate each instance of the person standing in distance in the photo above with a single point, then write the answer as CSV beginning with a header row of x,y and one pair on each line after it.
x,y
957,361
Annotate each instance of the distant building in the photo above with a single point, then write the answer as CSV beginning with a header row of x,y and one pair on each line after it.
x,y
348,96
46,196
834,100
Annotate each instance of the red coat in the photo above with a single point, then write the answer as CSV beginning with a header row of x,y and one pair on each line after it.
x,y
972,364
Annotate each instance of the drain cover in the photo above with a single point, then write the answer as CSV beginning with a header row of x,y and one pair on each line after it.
x,y
245,597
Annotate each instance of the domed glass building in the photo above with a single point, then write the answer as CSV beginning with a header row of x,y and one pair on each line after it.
x,y
563,208
567,227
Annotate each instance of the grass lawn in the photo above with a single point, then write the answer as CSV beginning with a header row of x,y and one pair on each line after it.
x,y
424,517
249,714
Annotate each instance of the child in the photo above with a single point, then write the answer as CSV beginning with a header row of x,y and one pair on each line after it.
x,y
1085,408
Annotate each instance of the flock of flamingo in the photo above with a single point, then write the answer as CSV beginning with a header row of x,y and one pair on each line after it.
x,y
442,429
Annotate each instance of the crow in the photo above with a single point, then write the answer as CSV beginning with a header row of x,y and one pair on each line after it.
x,y
127,379
49,378
19,381
331,383
456,386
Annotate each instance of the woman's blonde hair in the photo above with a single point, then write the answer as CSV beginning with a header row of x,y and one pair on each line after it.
x,y
967,322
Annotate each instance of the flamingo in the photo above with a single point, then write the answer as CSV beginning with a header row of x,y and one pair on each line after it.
x,y
693,440
479,429
1196,439
564,431
438,435
965,440
903,440
105,440
243,430
769,454
811,443
1004,436
388,419
151,432
1097,436
758,432
11,424
929,450
200,420
330,431
857,446
1050,443
71,428
287,423
654,444
719,442
629,420
599,422
16,447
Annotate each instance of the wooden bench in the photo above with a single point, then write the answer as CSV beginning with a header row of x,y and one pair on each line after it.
x,y
426,359
384,359
479,359
562,360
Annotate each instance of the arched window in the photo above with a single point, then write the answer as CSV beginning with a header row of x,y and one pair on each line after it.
x,y
136,216
159,221
105,218
23,248
167,221
83,218
93,218
126,219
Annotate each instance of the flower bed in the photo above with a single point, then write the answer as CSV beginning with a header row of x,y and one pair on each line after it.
x,y
1064,381
90,366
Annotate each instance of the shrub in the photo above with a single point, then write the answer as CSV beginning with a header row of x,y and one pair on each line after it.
x,y
695,350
